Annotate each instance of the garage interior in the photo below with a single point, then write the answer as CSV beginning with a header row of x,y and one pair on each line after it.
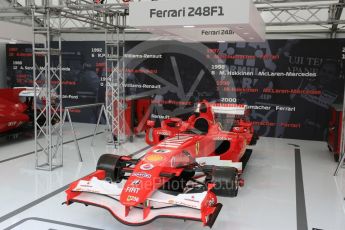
x,y
96,103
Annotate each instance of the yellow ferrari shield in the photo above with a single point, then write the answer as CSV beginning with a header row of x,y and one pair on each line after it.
x,y
197,148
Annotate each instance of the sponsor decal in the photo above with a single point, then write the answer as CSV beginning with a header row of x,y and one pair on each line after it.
x,y
211,202
181,203
86,186
163,133
132,189
132,198
161,151
154,158
10,124
146,166
222,139
136,182
142,175
197,148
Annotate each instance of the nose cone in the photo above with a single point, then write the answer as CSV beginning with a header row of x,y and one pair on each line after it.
x,y
141,184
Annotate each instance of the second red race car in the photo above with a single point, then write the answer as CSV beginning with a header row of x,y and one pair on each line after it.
x,y
16,115
179,177
17,112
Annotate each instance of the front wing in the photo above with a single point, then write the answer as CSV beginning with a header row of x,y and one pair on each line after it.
x,y
99,193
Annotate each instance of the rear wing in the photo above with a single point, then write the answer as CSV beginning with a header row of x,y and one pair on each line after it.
x,y
231,109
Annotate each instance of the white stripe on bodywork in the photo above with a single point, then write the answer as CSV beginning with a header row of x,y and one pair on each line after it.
x,y
170,146
175,142
171,143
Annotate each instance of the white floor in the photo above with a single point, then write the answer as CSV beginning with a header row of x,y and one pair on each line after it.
x,y
267,202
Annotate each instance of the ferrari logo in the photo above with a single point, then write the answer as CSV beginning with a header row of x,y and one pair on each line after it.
x,y
197,148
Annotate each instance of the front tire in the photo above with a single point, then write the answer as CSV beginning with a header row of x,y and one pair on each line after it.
x,y
112,165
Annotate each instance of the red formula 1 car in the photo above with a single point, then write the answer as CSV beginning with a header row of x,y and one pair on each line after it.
x,y
14,113
204,121
179,177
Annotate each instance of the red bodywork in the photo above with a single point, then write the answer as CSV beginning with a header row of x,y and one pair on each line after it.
x,y
157,167
12,110
177,146
334,131
246,128
213,141
136,114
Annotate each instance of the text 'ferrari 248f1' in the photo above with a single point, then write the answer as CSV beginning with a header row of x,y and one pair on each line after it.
x,y
189,165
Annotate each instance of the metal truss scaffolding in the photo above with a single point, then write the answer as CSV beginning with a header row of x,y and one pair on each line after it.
x,y
305,16
47,80
301,14
49,19
115,79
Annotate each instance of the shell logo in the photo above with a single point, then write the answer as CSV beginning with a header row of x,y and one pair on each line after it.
x,y
154,158
146,166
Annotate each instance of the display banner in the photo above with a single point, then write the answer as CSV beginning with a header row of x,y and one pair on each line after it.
x,y
199,20
288,85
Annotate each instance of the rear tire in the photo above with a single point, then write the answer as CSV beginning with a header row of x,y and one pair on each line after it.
x,y
225,180
112,166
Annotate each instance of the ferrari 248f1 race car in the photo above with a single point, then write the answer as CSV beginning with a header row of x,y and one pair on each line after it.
x,y
179,177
